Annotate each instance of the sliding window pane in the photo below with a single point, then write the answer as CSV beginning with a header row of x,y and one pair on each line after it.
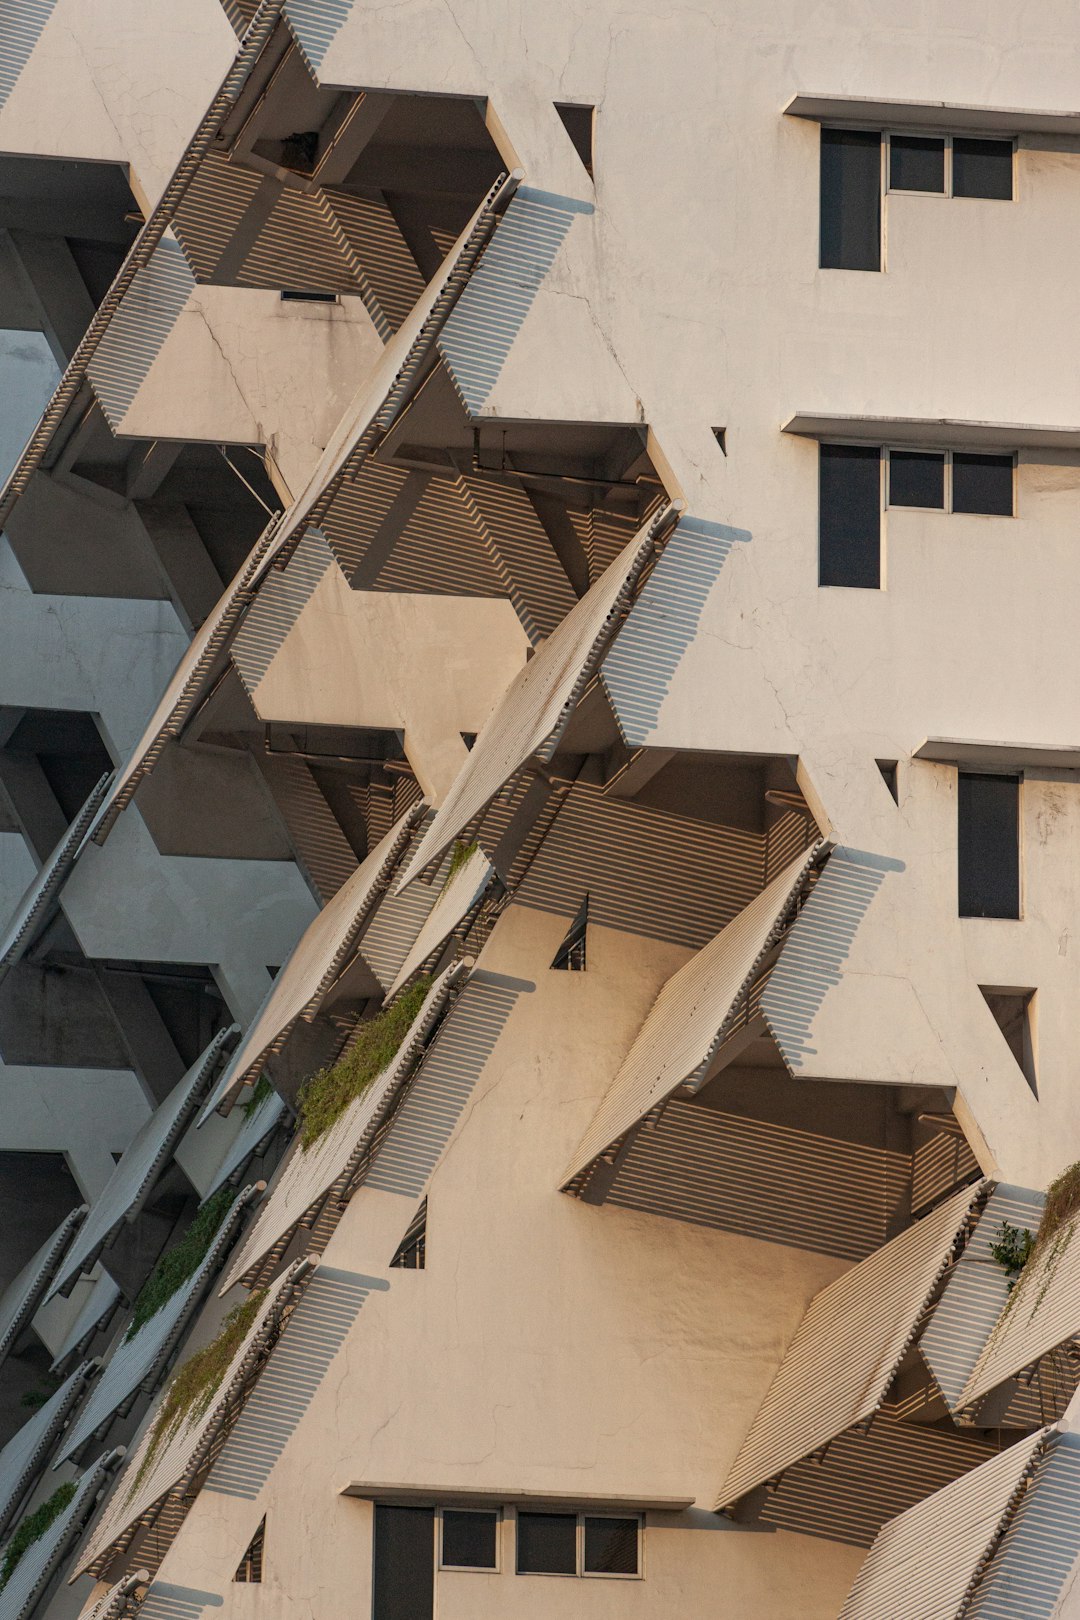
x,y
916,163
850,200
982,168
982,484
611,1546
849,519
917,478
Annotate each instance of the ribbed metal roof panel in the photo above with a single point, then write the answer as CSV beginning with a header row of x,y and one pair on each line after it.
x,y
975,1293
40,1560
27,1451
100,1302
460,895
23,1295
530,717
1039,1550
139,1361
687,1020
845,1352
32,909
308,1176
263,1119
138,1168
313,964
152,1471
923,1562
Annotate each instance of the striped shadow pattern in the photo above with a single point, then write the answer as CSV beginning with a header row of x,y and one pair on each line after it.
x,y
102,1300
36,905
23,24
455,906
396,925
491,312
521,554
663,623
927,1560
282,597
811,962
941,1161
139,329
24,1293
251,1141
976,1291
736,1174
139,1166
43,1558
119,1602
26,1453
165,1600
422,1127
1041,1544
315,24
838,1368
315,1333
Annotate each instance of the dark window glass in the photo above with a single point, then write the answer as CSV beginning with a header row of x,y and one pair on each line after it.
x,y
403,1575
982,484
468,1538
578,124
849,518
917,478
988,846
850,200
982,168
611,1546
547,1543
887,767
917,163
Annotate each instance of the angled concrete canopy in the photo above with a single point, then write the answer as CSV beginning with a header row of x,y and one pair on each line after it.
x,y
33,909
101,1299
460,896
23,1295
868,111
27,1451
258,1126
942,431
39,1563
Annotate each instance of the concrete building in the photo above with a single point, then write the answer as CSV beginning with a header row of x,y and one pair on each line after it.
x,y
539,882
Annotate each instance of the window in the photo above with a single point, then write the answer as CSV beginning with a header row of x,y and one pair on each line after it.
x,y
988,845
887,767
469,1539
951,165
952,481
1014,1014
578,1544
849,516
296,295
578,121
403,1568
850,220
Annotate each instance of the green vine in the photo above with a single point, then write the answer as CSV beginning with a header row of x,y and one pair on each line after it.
x,y
258,1096
182,1260
460,855
33,1528
1012,1251
325,1097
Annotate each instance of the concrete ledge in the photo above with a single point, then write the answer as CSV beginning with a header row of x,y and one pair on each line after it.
x,y
944,432
464,1496
999,755
931,115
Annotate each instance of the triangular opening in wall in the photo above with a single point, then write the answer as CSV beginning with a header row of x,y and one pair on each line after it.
x,y
720,435
250,1567
578,121
411,1252
1013,1013
570,956
887,767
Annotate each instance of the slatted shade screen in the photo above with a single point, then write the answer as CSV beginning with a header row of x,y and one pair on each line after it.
x,y
39,1562
845,1353
1035,1560
24,1293
255,1131
459,897
25,1454
33,908
975,1293
153,1471
313,964
688,1020
139,1166
530,717
1042,1312
923,1563
326,1169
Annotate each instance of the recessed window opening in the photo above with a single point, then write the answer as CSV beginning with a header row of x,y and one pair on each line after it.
x,y
250,1567
849,516
988,845
951,165
850,215
411,1252
570,956
1014,1014
579,121
952,481
403,1563
887,767
469,1538
579,1544
299,295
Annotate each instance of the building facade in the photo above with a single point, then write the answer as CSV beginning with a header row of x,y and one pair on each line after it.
x,y
539,881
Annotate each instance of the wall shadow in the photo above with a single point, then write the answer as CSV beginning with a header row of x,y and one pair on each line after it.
x,y
22,28
315,25
139,329
283,596
166,1601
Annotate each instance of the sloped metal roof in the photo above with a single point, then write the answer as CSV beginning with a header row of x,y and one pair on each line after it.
x,y
41,1560
23,1295
847,1348
27,1452
138,1168
307,1177
257,1127
99,1303
33,908
1033,1564
688,1019
533,712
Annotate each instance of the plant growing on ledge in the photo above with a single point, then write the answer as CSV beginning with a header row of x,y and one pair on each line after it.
x,y
325,1097
258,1097
1062,1203
182,1260
33,1528
1012,1251
460,855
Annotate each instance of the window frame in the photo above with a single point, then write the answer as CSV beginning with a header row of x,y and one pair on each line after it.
x,y
468,1569
947,194
581,1573
945,510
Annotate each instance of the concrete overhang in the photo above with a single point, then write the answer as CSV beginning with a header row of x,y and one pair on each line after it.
x,y
464,1496
944,432
1004,756
931,115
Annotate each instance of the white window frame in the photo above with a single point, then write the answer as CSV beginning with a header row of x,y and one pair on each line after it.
x,y
581,1573
936,450
467,1569
947,193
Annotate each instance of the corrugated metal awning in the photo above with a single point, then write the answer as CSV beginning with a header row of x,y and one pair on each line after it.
x,y
150,1476
313,964
327,1168
689,1017
138,1362
847,1348
460,896
925,1561
1041,1313
138,1168
533,712
43,1557
22,1296
27,1452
